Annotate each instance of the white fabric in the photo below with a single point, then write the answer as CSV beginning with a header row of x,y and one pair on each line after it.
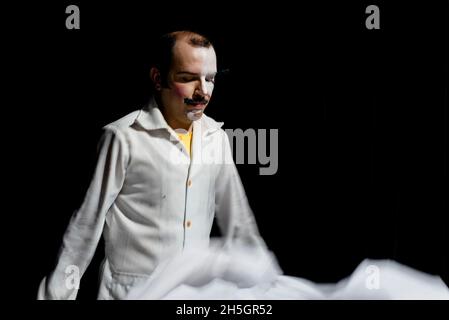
x,y
151,201
247,273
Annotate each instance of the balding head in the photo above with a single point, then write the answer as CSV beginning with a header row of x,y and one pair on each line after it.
x,y
163,56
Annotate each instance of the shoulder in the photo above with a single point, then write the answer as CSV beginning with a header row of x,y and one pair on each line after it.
x,y
123,124
118,130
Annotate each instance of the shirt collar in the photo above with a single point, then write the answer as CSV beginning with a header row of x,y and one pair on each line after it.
x,y
151,118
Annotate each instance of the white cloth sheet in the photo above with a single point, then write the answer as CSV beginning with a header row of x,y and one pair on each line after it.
x,y
243,272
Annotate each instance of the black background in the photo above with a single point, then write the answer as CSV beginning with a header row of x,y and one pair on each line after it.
x,y
362,119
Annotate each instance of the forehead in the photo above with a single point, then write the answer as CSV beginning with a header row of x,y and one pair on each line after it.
x,y
193,59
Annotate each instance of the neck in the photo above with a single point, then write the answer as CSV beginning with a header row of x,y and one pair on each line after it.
x,y
178,125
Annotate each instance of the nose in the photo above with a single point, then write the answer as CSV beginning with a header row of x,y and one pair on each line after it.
x,y
202,87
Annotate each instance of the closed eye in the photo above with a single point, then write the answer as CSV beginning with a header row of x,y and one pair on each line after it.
x,y
185,79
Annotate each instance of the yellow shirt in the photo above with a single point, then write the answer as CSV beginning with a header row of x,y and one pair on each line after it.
x,y
186,139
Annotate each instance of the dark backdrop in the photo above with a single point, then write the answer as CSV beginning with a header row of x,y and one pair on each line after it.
x,y
361,114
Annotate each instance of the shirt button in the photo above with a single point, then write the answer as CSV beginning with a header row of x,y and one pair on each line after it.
x,y
188,223
189,183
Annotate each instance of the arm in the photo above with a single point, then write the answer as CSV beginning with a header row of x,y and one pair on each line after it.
x,y
234,215
86,225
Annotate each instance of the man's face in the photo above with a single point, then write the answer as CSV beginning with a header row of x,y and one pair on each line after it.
x,y
191,82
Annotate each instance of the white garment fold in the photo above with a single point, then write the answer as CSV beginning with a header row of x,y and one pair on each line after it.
x,y
243,272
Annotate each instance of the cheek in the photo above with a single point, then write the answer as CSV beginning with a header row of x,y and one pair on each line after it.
x,y
181,91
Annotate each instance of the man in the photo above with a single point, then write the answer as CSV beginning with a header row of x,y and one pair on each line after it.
x,y
162,175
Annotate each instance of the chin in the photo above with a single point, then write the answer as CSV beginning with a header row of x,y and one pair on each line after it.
x,y
194,117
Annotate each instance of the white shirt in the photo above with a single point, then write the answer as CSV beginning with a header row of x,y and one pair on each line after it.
x,y
150,201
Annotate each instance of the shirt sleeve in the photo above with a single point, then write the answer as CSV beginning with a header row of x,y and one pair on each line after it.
x,y
86,225
232,210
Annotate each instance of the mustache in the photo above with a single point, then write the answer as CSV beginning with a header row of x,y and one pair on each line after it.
x,y
195,101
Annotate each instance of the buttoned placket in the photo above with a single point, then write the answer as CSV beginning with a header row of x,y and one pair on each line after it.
x,y
196,141
195,158
185,221
196,135
180,146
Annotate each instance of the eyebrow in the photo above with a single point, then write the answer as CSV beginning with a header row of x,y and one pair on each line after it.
x,y
194,74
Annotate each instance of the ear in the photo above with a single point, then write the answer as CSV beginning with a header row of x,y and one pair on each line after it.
x,y
155,76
